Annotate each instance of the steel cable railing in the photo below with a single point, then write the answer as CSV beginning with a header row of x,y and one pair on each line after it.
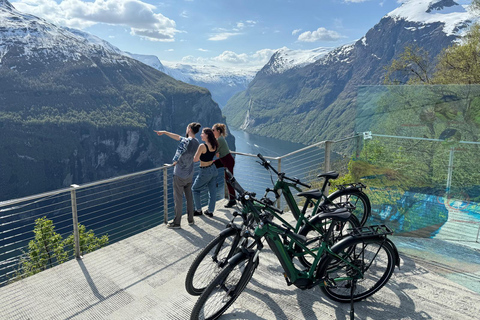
x,y
124,206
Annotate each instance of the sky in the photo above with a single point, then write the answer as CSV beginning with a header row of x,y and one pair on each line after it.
x,y
231,33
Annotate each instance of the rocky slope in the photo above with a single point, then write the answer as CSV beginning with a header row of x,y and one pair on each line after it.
x,y
75,111
317,101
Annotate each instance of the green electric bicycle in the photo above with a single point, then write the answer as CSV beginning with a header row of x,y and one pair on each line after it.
x,y
350,270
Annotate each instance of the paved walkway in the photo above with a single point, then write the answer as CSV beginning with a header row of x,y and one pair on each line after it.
x,y
142,278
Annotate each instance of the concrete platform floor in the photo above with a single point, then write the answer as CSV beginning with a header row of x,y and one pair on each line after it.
x,y
142,278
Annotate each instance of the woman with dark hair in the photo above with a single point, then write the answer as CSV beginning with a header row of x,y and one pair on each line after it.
x,y
225,158
207,178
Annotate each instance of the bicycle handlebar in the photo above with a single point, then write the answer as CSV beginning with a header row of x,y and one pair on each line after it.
x,y
281,175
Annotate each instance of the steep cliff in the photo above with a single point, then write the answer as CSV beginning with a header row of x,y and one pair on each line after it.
x,y
72,111
317,101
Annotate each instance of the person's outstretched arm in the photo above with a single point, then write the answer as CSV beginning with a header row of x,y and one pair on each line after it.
x,y
170,134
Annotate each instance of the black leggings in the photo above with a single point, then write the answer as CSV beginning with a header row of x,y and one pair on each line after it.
x,y
228,162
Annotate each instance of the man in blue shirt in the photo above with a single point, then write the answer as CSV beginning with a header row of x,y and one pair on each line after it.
x,y
183,172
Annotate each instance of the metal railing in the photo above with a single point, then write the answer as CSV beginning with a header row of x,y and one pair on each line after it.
x,y
123,206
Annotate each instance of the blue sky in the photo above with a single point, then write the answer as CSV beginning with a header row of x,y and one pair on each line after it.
x,y
235,32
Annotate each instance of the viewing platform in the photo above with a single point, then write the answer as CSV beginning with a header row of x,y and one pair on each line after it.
x,y
142,278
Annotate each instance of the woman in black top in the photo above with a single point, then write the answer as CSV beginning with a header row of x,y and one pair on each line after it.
x,y
207,178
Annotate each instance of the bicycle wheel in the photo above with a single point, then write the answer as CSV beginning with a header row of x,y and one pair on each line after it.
x,y
374,261
224,289
357,198
315,236
210,261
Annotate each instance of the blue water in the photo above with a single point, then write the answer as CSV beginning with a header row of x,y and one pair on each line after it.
x,y
252,143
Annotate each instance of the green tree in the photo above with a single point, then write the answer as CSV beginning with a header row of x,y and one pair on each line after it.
x,y
88,241
460,63
44,251
413,66
48,248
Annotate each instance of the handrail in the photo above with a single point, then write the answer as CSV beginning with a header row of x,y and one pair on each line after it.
x,y
77,187
130,199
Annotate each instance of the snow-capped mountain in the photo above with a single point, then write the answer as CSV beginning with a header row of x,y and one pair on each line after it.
x,y
34,37
320,97
75,109
285,59
453,15
224,82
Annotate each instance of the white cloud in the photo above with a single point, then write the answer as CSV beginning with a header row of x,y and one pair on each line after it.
x,y
296,31
202,50
223,36
321,34
356,1
230,58
224,33
135,14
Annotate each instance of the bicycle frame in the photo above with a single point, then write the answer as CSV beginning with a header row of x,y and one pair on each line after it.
x,y
301,279
284,249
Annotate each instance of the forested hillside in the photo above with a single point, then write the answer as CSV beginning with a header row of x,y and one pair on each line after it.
x,y
75,112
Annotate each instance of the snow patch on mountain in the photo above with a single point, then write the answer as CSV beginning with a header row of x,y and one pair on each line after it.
x,y
285,59
448,12
26,36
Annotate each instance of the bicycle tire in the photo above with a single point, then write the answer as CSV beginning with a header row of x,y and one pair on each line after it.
x,y
222,292
210,261
315,237
374,256
363,207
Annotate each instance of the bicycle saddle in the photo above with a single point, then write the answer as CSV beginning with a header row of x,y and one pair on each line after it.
x,y
340,214
315,194
329,175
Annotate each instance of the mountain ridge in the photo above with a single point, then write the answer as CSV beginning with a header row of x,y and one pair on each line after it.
x,y
76,110
320,97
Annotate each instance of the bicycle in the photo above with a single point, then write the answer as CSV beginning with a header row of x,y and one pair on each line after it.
x,y
351,193
351,270
350,196
213,257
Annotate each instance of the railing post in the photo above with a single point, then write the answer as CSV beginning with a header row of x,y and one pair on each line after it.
x,y
76,234
358,146
328,151
165,195
478,233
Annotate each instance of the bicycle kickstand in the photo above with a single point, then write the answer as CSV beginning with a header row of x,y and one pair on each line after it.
x,y
353,284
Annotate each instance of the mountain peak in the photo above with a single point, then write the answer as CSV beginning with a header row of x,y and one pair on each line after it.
x,y
448,12
440,5
6,4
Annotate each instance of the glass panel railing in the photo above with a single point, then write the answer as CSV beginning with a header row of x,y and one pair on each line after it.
x,y
419,157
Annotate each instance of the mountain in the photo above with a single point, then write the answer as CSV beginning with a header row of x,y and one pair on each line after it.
x,y
223,83
317,101
74,109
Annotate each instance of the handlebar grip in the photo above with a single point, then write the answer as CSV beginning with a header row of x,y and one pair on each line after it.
x,y
261,157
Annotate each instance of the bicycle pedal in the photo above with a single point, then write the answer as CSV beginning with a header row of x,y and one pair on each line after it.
x,y
286,279
329,283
